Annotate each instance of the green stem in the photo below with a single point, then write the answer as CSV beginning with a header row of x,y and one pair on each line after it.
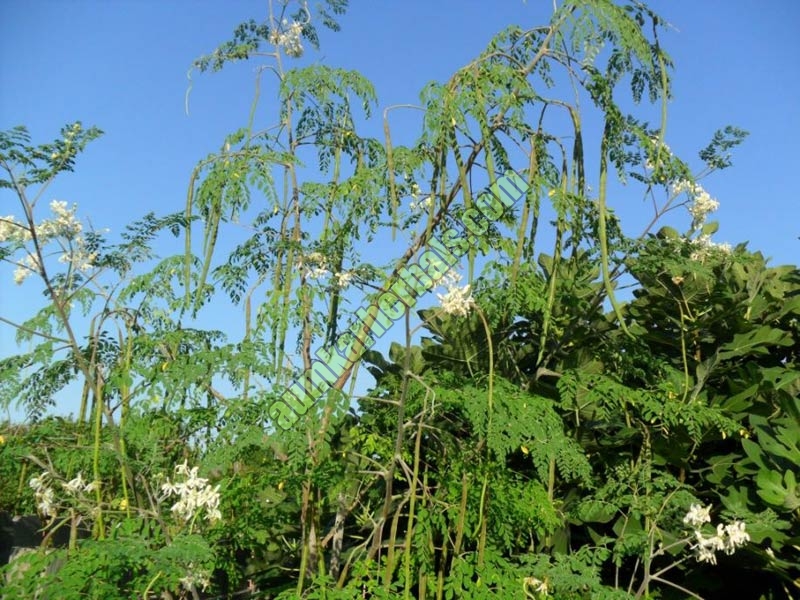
x,y
490,407
411,507
98,428
601,225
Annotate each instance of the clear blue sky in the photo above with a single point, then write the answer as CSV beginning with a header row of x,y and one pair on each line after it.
x,y
122,65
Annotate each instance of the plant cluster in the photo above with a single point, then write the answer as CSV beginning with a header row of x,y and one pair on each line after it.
x,y
532,436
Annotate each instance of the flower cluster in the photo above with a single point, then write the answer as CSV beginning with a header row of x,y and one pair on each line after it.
x,y
315,266
29,264
195,577
65,224
44,494
289,39
317,272
343,279
194,494
702,202
727,538
77,485
457,301
12,231
702,248
422,204
64,227
537,586
425,203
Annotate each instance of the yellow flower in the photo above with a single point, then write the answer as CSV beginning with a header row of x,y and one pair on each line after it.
x,y
525,450
2,440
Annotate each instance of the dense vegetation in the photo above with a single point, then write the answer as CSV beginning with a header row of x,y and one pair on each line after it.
x,y
535,436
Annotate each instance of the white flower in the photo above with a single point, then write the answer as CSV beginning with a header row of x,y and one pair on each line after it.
x,y
195,495
78,484
9,229
537,585
45,497
705,554
703,248
727,537
46,502
65,224
32,262
317,258
289,39
318,268
450,279
75,485
86,261
195,577
736,536
422,204
28,265
59,208
343,279
703,205
702,202
457,301
20,275
682,186
317,273
706,547
697,516
183,469
37,483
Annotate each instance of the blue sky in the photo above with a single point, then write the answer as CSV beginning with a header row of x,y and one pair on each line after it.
x,y
122,65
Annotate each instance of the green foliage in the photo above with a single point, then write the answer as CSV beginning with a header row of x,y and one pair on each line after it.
x,y
39,164
537,446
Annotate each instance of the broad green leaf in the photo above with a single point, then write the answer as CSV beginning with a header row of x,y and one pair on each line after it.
x,y
755,342
770,487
